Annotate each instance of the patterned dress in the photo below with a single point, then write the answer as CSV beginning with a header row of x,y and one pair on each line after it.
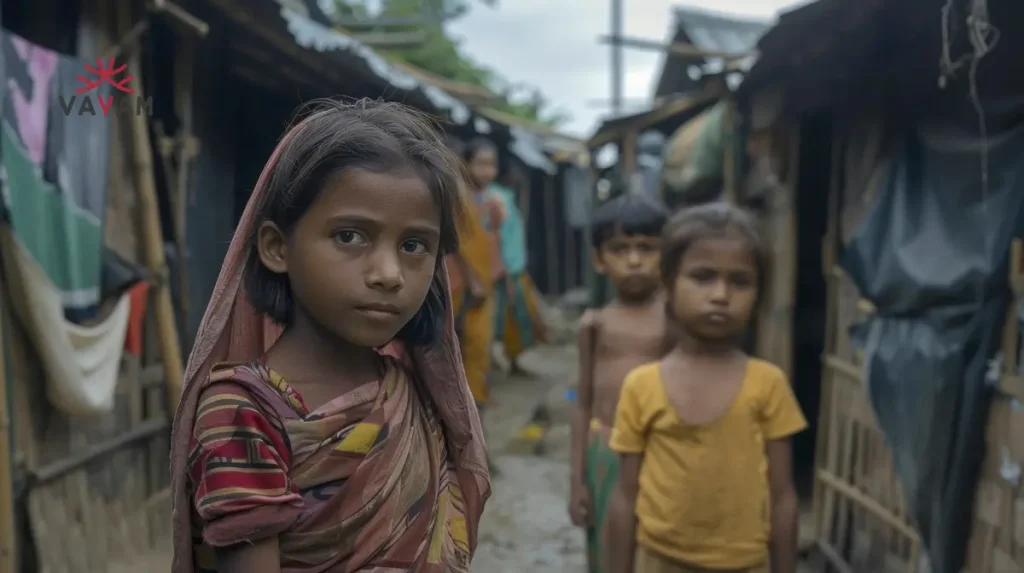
x,y
364,483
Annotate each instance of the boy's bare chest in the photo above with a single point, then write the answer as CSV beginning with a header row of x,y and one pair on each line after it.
x,y
625,342
638,335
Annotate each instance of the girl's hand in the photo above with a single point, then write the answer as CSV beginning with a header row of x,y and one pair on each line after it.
x,y
580,508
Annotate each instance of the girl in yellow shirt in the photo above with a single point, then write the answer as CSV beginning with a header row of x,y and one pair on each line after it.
x,y
704,434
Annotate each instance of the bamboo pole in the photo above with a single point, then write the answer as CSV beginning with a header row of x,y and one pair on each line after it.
x,y
551,237
186,150
829,256
731,192
8,535
153,250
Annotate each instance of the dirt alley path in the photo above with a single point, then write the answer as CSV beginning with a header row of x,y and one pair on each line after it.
x,y
526,527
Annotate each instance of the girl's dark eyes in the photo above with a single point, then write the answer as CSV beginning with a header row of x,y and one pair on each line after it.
x,y
355,238
415,247
702,275
348,237
707,275
742,282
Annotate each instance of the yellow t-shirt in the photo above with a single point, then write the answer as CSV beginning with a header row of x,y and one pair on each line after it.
x,y
704,498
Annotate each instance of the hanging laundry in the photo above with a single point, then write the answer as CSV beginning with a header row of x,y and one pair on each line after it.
x,y
55,165
56,161
138,294
81,362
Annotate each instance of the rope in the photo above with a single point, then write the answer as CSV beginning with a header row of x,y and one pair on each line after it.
x,y
983,37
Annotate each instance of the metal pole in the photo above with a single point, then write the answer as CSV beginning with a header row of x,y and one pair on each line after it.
x,y
616,47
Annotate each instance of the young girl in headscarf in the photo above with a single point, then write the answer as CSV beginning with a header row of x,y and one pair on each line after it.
x,y
326,424
517,319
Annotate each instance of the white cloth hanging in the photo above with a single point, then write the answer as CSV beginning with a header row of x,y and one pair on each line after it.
x,y
81,362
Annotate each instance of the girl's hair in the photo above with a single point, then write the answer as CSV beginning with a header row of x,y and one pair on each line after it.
x,y
366,134
711,220
476,145
630,214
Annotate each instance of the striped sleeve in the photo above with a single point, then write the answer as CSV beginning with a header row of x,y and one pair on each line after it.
x,y
238,469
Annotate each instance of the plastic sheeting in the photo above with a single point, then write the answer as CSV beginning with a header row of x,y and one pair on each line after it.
x,y
694,157
932,257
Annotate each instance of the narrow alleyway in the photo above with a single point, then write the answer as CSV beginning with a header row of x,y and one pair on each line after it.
x,y
526,527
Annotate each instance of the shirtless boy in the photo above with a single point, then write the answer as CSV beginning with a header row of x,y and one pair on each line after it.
x,y
630,331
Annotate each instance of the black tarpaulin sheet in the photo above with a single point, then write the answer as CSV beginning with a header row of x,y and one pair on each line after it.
x,y
932,257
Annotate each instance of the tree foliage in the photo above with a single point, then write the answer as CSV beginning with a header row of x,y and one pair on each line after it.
x,y
443,56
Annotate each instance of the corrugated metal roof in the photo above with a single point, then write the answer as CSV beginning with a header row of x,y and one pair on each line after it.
x,y
856,54
666,118
716,32
553,141
312,35
711,32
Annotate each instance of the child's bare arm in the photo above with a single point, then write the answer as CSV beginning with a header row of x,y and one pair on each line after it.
x,y
579,504
785,506
263,556
620,545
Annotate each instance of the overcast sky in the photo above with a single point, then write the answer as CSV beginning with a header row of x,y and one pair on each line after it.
x,y
553,45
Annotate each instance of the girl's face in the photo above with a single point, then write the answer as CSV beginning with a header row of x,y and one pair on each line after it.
x,y
715,290
361,259
483,167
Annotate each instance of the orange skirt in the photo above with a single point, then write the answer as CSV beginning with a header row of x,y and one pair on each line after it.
x,y
475,340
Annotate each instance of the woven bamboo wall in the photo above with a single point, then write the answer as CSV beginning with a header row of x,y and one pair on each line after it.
x,y
861,518
997,538
775,322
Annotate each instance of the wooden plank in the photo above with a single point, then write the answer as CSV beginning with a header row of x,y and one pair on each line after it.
x,y
865,501
59,468
551,237
847,369
8,537
834,557
390,40
675,50
142,154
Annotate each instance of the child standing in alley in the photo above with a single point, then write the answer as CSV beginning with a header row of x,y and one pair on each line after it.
x,y
629,331
325,423
704,434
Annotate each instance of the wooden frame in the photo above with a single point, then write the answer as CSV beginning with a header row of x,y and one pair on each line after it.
x,y
622,128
